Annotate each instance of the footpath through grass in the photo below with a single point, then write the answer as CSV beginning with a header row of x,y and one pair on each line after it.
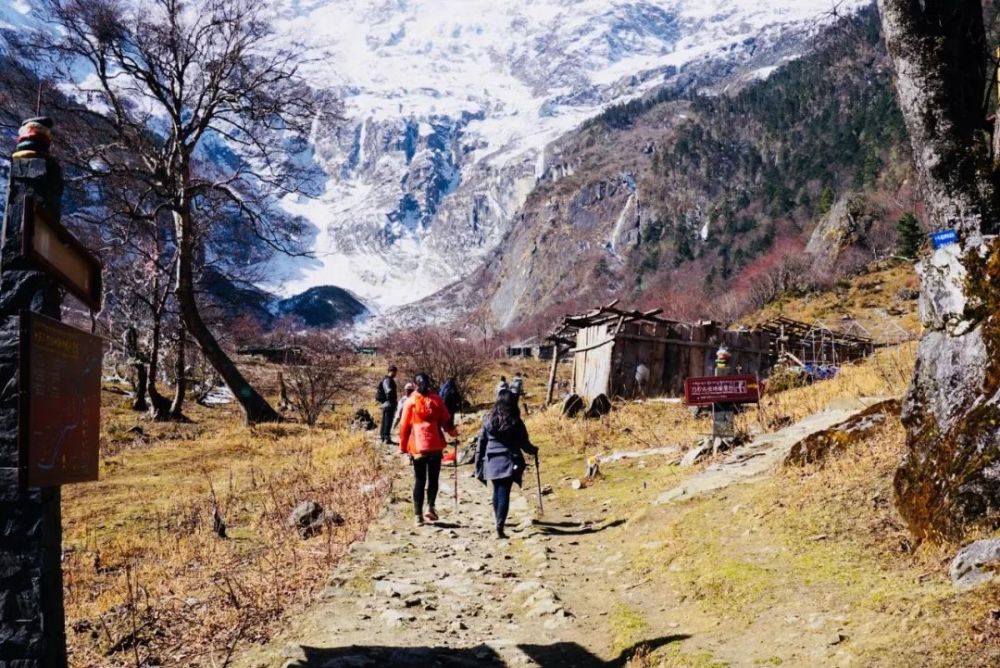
x,y
809,567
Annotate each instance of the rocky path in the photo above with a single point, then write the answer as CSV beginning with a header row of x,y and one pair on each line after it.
x,y
451,594
765,453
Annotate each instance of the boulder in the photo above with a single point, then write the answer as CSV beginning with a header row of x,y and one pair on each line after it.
x,y
572,405
308,518
362,421
599,407
975,564
838,438
467,455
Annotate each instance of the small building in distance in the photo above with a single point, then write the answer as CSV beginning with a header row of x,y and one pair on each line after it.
x,y
533,348
609,344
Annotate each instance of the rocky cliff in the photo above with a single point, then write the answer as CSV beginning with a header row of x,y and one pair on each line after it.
x,y
679,198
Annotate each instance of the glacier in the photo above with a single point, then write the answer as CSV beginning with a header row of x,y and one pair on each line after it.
x,y
449,106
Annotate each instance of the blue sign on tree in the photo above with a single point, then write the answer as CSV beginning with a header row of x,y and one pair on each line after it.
x,y
944,238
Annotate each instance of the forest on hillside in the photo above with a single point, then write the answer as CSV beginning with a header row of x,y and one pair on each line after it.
x,y
732,193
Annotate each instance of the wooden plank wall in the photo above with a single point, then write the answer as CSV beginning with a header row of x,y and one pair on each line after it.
x,y
592,365
672,351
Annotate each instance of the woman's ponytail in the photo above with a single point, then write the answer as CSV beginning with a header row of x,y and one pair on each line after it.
x,y
423,382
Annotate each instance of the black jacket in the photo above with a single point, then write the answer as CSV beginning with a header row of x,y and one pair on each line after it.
x,y
500,452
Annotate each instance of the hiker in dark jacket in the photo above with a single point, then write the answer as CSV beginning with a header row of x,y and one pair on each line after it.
x,y
451,397
500,454
388,397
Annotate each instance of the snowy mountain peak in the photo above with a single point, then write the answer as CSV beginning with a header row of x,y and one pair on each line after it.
x,y
452,102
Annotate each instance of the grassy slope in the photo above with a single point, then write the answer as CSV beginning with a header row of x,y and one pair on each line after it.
x,y
146,577
810,567
873,299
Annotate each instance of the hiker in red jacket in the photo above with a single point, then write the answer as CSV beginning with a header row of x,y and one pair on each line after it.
x,y
421,436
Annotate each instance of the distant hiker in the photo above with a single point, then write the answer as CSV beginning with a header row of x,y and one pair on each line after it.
x,y
517,387
407,391
451,397
421,436
499,454
502,386
387,397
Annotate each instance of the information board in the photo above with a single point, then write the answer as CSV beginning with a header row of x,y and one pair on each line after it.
x,y
719,389
59,389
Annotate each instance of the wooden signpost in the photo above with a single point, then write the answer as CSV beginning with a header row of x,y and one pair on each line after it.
x,y
723,394
49,428
48,244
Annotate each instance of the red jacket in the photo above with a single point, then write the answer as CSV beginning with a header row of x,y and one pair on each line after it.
x,y
425,417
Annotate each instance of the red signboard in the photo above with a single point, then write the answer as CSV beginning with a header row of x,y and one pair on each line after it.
x,y
721,389
59,386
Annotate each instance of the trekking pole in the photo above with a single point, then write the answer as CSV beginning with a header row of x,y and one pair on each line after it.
x,y
456,476
538,480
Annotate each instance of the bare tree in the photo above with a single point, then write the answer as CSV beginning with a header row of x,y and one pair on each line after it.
x,y
947,481
313,382
167,81
440,353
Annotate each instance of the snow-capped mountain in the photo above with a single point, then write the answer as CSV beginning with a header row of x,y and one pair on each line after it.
x,y
450,104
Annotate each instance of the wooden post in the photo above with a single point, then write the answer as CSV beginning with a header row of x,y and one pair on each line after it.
x,y
550,392
996,118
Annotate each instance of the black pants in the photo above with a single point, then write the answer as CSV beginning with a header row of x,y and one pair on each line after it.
x,y
426,472
501,500
388,415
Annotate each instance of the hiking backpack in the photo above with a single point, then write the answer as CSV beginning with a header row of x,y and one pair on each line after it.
x,y
380,395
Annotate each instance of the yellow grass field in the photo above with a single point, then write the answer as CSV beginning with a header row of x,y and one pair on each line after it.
x,y
148,581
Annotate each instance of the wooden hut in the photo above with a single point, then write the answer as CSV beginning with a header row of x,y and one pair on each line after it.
x,y
530,348
610,344
819,344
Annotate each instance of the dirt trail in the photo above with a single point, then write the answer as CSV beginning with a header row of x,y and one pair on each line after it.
x,y
451,594
765,453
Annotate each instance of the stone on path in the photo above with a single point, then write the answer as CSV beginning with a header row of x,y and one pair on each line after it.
x,y
395,619
696,453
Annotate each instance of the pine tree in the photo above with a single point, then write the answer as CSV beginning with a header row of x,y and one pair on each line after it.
x,y
910,235
825,201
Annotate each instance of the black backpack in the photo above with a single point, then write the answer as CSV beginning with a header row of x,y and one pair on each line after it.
x,y
450,397
380,395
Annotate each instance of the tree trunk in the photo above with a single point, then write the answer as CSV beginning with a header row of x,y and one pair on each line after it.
x,y
283,403
180,377
255,407
947,479
139,403
160,406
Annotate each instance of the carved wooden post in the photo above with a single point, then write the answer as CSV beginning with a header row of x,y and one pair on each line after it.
x,y
32,633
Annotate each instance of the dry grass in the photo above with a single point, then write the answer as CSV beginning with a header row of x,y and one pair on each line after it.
x,y
886,374
871,298
148,582
817,543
